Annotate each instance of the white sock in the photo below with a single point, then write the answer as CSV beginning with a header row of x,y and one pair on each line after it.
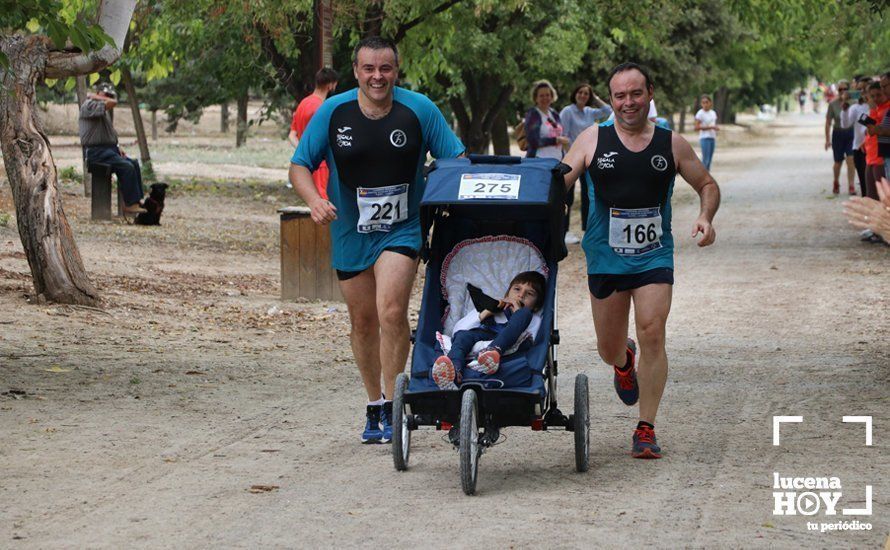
x,y
378,402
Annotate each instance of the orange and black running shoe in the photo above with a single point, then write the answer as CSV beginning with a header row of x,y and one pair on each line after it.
x,y
626,379
645,445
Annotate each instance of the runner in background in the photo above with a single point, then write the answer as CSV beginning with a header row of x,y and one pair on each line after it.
x,y
325,83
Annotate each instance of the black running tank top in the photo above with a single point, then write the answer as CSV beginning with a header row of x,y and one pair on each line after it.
x,y
624,179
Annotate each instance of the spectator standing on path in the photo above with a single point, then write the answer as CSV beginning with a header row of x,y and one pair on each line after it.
x,y
859,107
576,117
802,99
376,139
874,162
882,129
706,124
546,136
100,143
840,139
325,83
628,244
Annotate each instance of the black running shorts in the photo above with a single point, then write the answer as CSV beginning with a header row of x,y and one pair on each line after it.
x,y
403,250
602,285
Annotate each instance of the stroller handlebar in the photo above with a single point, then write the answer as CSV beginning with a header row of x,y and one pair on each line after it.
x,y
493,159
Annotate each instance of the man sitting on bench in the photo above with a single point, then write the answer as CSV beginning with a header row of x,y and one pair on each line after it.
x,y
99,140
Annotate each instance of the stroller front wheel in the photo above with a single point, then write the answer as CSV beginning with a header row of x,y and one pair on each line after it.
x,y
401,433
469,442
582,424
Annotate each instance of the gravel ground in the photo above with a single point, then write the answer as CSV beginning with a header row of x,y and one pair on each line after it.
x,y
146,423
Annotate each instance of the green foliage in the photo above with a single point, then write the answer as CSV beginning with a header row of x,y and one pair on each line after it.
x,y
69,173
58,19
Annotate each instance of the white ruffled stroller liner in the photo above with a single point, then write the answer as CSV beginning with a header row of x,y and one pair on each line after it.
x,y
489,263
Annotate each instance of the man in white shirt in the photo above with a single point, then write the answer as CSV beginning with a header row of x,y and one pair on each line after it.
x,y
849,116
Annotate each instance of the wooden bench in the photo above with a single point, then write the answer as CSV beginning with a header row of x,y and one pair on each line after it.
x,y
101,192
306,270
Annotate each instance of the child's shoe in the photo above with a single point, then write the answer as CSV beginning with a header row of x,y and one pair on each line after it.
x,y
489,361
443,373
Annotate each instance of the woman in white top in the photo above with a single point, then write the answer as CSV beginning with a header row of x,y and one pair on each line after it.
x,y
576,117
706,125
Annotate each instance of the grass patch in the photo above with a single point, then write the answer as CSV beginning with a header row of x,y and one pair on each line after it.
x,y
4,219
70,173
260,152
235,188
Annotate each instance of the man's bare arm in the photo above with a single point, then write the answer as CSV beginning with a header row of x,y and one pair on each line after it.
x,y
693,171
578,157
323,212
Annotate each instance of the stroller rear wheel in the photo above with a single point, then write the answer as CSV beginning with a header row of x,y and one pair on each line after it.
x,y
469,442
582,424
401,434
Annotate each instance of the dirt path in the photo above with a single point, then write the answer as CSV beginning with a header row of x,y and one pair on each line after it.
x,y
147,424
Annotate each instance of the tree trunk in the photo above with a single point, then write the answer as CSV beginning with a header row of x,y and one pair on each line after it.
x,y
81,88
500,139
722,106
56,266
141,138
476,111
682,125
224,118
241,133
154,125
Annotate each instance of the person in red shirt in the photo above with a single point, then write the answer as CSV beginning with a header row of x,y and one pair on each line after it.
x,y
325,83
874,169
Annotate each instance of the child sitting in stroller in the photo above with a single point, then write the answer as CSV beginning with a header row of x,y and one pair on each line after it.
x,y
504,327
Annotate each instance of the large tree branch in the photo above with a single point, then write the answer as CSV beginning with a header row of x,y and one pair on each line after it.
x,y
499,103
403,29
114,18
460,111
287,75
62,64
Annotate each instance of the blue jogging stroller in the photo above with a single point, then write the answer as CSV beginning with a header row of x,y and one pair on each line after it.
x,y
484,219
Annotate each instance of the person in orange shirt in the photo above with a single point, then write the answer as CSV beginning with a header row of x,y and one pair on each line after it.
x,y
874,169
325,83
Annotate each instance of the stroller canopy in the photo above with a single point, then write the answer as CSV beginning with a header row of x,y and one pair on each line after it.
x,y
498,189
492,180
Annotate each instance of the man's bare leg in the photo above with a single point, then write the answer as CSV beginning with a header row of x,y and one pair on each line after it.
x,y
652,304
610,319
836,168
394,273
359,293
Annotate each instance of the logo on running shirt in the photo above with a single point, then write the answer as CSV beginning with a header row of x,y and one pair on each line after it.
x,y
659,163
606,161
344,139
398,138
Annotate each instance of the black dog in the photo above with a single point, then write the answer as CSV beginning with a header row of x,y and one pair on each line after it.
x,y
154,205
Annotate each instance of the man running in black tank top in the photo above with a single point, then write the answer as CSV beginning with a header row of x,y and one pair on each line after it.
x,y
628,243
